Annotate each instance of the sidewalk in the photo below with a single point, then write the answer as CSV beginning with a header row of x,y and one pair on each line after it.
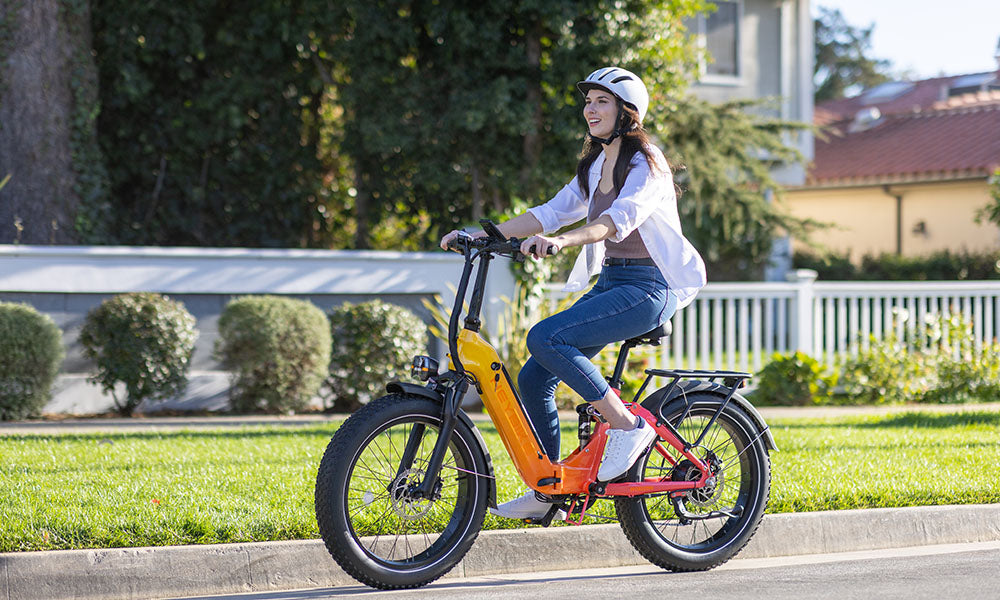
x,y
174,571
153,423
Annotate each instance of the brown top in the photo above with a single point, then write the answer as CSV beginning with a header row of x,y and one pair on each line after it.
x,y
631,246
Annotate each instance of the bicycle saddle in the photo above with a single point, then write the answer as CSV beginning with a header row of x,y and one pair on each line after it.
x,y
652,337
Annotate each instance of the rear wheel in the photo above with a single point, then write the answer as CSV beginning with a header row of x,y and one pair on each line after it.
x,y
702,528
372,521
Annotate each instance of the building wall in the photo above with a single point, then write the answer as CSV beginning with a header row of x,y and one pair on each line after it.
x,y
865,218
776,62
948,214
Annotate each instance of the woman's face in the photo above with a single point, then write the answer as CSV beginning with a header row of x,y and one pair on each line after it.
x,y
600,110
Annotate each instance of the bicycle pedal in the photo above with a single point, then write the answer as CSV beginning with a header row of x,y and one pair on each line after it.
x,y
546,520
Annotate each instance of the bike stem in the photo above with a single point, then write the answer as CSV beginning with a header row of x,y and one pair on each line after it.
x,y
455,392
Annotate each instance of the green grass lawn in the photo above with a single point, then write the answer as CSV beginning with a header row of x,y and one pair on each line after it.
x,y
255,484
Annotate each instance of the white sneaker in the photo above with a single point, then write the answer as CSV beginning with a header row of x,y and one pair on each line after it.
x,y
527,506
623,449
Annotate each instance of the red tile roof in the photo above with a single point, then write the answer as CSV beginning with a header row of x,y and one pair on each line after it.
x,y
920,96
921,135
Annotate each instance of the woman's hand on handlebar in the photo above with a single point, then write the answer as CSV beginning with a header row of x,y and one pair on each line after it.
x,y
451,236
540,246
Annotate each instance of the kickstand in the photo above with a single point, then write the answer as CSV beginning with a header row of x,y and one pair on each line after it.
x,y
572,508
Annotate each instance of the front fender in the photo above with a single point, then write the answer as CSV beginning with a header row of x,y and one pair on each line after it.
x,y
402,387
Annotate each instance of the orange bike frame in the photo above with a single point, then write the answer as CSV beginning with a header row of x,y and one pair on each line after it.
x,y
574,474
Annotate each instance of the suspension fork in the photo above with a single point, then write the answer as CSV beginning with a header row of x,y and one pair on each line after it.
x,y
449,413
410,451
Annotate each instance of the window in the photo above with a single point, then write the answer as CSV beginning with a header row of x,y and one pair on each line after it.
x,y
719,33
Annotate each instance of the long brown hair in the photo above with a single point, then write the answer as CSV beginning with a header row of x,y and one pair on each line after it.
x,y
635,139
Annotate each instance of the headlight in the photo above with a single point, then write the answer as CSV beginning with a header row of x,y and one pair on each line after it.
x,y
423,368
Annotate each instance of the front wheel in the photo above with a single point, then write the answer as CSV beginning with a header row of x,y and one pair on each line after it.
x,y
703,528
374,525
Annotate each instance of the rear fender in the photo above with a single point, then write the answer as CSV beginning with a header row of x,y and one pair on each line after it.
x,y
688,386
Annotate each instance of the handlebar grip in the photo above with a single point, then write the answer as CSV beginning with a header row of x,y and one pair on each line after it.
x,y
453,242
550,252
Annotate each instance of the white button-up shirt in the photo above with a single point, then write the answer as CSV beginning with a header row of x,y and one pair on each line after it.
x,y
647,202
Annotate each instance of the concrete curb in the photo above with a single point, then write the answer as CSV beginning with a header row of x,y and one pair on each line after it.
x,y
174,571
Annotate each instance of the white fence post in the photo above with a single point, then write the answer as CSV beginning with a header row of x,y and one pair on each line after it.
x,y
805,295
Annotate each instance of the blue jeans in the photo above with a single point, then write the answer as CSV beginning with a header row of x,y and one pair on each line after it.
x,y
625,302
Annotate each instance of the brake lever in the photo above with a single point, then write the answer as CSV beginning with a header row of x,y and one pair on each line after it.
x,y
464,237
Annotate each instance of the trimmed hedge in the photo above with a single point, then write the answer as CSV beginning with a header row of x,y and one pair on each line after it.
x,y
373,344
939,266
278,350
30,354
142,340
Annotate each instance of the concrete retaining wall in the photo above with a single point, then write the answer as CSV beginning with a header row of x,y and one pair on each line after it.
x,y
65,282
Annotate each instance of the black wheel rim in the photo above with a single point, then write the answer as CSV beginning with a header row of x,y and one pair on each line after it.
x,y
386,521
718,513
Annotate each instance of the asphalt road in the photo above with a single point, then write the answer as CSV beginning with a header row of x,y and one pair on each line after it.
x,y
967,571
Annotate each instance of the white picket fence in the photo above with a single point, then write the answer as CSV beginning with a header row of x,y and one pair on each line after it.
x,y
738,326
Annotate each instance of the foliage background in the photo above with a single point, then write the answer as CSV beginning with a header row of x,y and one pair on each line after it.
x,y
208,122
383,124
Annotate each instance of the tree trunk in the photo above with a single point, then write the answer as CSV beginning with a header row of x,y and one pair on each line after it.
x,y
477,195
532,141
48,103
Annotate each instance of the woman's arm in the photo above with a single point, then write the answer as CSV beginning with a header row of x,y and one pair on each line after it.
x,y
521,225
595,231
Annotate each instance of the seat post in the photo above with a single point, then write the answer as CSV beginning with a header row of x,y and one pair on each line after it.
x,y
615,381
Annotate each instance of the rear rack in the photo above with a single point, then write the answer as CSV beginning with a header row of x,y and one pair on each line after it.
x,y
699,373
732,380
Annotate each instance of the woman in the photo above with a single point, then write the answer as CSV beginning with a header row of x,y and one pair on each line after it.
x,y
624,188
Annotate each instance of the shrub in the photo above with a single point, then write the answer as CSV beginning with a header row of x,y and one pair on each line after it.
x,y
963,372
934,361
30,353
373,343
277,349
793,380
943,265
142,340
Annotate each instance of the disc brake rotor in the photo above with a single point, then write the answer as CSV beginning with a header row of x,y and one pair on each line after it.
x,y
709,494
405,505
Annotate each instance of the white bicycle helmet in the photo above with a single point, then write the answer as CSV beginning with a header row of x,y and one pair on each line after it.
x,y
625,85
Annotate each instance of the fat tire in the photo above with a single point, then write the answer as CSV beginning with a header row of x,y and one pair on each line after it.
x,y
333,511
639,526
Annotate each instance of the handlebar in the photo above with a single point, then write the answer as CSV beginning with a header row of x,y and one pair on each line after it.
x,y
493,242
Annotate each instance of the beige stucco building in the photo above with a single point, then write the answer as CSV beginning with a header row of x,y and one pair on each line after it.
x,y
911,219
904,168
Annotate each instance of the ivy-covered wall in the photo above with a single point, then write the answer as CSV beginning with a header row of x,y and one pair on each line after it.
x,y
204,107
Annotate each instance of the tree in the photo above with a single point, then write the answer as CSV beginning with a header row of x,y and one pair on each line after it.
x,y
212,120
843,65
731,207
991,212
48,103
454,109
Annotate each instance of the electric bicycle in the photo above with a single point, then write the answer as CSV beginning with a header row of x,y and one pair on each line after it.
x,y
404,484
